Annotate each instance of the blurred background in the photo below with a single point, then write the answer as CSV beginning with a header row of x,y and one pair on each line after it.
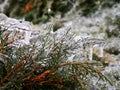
x,y
38,11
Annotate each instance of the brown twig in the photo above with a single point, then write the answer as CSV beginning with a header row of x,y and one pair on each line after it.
x,y
41,76
13,70
30,73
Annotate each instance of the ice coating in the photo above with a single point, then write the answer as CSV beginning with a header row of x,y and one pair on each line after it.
x,y
19,28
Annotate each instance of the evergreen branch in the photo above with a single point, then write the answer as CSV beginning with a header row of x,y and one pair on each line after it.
x,y
17,66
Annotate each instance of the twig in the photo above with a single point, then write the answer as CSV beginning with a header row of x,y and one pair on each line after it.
x,y
13,70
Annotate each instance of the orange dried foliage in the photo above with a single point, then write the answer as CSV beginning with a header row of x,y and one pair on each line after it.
x,y
41,76
1,47
52,80
30,73
28,7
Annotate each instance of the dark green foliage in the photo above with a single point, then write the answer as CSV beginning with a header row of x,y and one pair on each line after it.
x,y
3,70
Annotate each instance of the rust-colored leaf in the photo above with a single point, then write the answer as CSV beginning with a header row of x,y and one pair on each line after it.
x,y
28,7
41,76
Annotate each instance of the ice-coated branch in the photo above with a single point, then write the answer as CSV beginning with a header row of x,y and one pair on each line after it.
x,y
12,25
23,28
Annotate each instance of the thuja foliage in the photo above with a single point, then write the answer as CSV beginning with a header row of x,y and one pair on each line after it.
x,y
44,64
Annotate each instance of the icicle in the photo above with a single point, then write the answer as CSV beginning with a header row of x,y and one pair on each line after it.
x,y
27,37
89,43
101,47
90,52
101,51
